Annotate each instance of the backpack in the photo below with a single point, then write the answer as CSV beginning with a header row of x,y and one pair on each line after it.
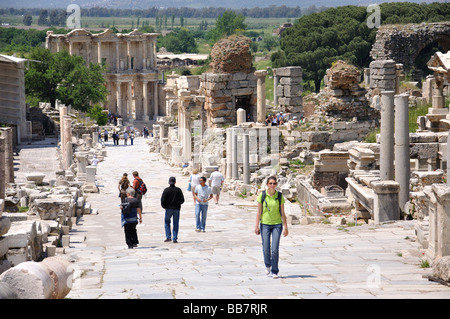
x,y
263,199
142,187
126,208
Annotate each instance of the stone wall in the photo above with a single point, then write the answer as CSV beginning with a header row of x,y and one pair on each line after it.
x,y
403,43
288,89
221,92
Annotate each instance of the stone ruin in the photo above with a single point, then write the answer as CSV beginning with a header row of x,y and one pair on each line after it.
x,y
325,168
34,243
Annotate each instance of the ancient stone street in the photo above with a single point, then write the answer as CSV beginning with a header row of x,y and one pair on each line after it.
x,y
316,260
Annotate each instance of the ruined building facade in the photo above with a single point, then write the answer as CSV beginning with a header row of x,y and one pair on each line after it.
x,y
131,76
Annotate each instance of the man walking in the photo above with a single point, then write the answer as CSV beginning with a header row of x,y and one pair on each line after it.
x,y
216,179
171,200
202,195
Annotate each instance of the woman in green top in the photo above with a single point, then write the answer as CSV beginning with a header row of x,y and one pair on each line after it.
x,y
271,222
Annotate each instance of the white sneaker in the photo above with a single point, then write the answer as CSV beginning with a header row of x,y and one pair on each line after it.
x,y
275,276
267,271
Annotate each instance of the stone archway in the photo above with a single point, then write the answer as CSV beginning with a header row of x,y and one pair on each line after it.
x,y
403,43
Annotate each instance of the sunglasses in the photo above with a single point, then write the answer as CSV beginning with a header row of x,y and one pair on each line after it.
x,y
272,183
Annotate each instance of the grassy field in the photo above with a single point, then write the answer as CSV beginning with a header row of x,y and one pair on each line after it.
x,y
95,23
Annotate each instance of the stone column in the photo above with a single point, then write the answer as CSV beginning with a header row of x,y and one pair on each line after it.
x,y
234,160
67,156
402,162
385,202
99,52
155,100
246,160
119,99
62,114
130,101
387,136
261,96
229,152
7,133
117,55
145,99
275,84
2,168
128,55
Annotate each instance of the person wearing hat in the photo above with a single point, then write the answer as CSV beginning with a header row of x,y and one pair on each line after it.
x,y
171,200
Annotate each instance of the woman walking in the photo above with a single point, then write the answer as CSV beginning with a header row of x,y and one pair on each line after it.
x,y
124,183
194,180
270,223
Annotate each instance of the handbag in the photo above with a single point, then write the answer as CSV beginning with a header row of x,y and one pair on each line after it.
x,y
189,187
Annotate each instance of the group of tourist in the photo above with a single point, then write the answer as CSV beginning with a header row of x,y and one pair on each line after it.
x,y
112,118
127,134
270,219
275,119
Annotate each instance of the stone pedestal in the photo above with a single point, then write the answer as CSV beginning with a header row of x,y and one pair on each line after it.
x,y
385,202
90,185
81,165
240,116
441,231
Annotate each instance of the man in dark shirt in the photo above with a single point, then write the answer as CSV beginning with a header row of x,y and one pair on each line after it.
x,y
171,200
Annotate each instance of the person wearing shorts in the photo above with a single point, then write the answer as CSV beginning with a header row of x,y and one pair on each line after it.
x,y
216,180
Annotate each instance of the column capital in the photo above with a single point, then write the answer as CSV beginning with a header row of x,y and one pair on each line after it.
x,y
261,73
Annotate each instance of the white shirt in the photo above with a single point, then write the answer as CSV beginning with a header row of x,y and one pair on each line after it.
x,y
216,179
195,180
203,193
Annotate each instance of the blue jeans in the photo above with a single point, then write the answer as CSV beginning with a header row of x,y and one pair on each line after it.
x,y
271,253
175,213
200,216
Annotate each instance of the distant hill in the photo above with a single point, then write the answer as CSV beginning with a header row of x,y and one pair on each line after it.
x,y
144,4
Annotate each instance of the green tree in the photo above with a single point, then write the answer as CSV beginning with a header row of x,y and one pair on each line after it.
x,y
27,19
179,41
64,77
227,24
98,115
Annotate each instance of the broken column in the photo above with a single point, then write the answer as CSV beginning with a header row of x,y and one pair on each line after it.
x,y
261,95
385,202
7,133
387,136
67,141
62,115
240,116
402,161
